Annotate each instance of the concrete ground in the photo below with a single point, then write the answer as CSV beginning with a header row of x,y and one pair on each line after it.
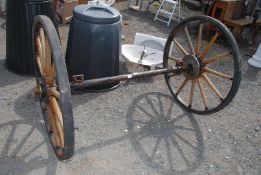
x,y
113,136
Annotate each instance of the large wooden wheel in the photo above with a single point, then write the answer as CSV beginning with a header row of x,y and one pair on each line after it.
x,y
209,52
53,87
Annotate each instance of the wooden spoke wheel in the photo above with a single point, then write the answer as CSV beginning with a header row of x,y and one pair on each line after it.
x,y
210,53
53,87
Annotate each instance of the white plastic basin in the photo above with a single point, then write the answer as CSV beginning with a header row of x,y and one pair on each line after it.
x,y
152,57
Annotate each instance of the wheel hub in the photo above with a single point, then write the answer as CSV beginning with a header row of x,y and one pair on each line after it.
x,y
192,67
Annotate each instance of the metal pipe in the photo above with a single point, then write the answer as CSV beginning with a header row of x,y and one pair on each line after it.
x,y
108,80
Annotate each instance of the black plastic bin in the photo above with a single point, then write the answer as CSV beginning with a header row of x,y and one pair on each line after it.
x,y
20,16
94,43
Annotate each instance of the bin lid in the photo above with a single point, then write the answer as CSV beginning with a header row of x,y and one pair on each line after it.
x,y
98,14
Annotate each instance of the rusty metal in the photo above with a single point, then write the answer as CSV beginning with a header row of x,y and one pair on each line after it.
x,y
78,78
118,78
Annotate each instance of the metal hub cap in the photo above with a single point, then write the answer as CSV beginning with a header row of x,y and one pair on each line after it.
x,y
192,65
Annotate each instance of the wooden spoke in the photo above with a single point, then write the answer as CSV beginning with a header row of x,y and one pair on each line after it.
x,y
54,137
192,51
217,58
40,55
216,73
52,71
52,75
209,46
53,91
181,86
203,93
60,133
48,61
58,121
180,47
211,85
193,83
39,48
199,41
43,47
39,64
56,110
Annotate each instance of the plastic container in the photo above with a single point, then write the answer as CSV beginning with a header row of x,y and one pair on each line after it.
x,y
20,16
94,43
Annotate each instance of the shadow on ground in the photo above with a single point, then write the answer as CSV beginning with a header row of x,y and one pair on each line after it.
x,y
164,136
22,153
26,147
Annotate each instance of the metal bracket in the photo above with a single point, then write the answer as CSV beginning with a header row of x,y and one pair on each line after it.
x,y
78,78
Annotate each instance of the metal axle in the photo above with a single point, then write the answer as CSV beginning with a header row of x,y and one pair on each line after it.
x,y
118,78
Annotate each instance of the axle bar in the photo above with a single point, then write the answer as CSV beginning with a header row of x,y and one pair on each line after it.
x,y
118,78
